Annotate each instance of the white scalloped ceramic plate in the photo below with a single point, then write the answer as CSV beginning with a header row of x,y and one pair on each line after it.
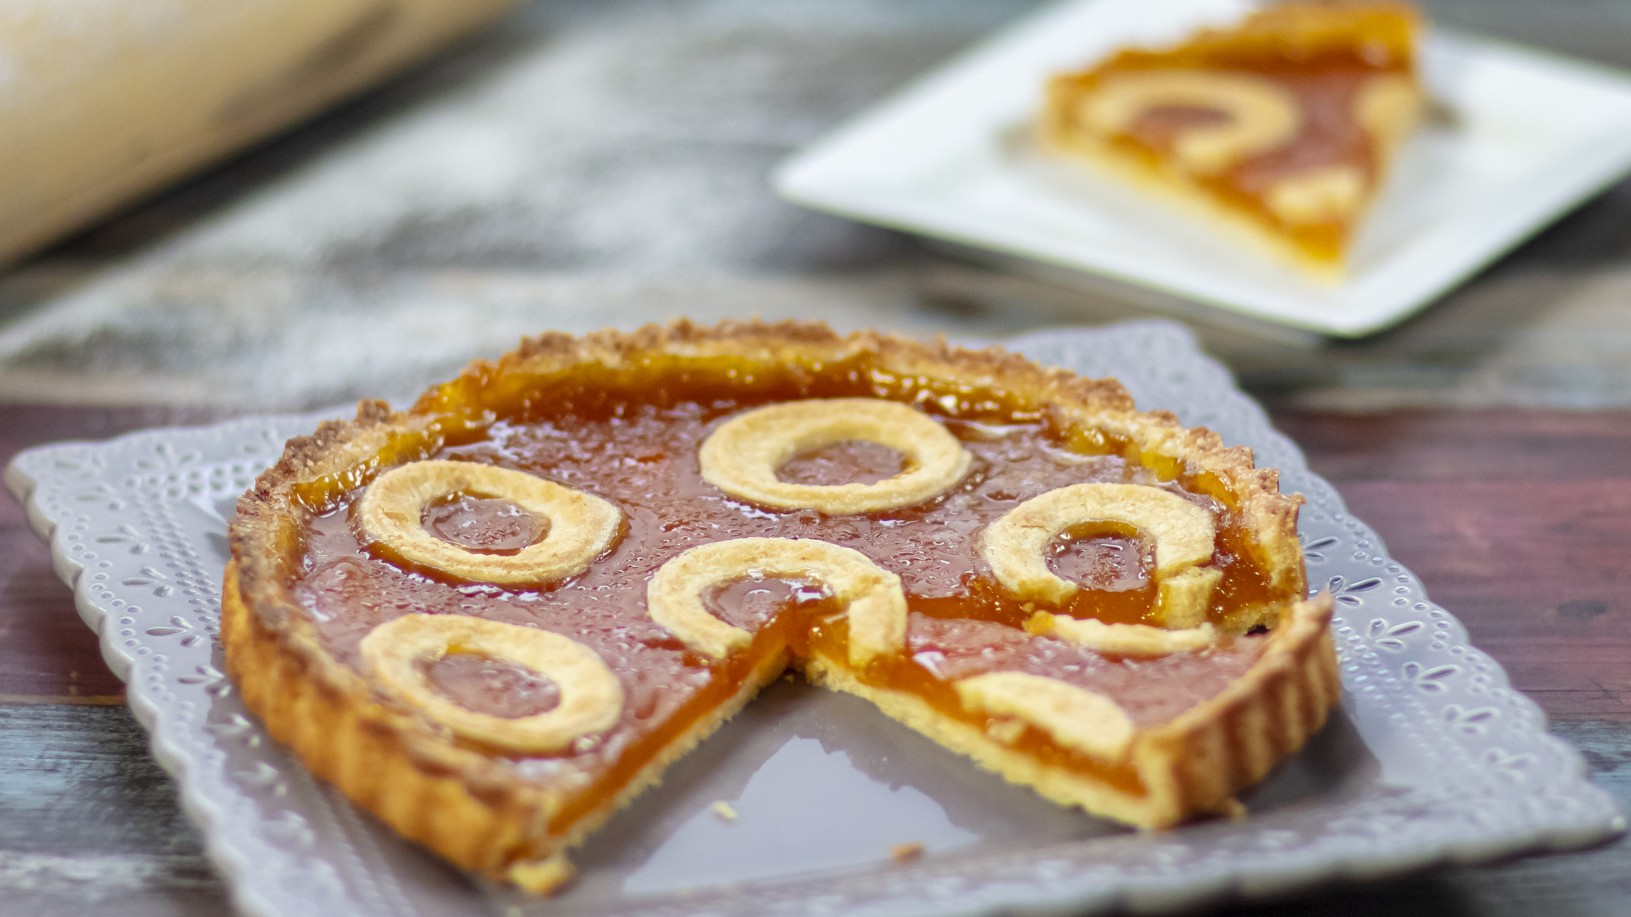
x,y
1527,137
1434,758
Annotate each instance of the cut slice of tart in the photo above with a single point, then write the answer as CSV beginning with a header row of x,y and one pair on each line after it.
x,y
493,618
1281,128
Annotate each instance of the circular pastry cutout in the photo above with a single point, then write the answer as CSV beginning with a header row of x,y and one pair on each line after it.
x,y
591,697
581,526
873,597
1137,640
1015,546
743,456
1076,718
1262,116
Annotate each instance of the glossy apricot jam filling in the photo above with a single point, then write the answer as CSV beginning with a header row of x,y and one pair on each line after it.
x,y
485,525
632,438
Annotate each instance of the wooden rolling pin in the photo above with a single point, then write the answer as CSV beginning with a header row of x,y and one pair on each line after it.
x,y
103,102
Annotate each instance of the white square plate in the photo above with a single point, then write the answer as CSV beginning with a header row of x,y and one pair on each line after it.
x,y
1433,758
1526,137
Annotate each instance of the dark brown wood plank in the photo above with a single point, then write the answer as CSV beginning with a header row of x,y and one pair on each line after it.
x,y
1518,522
46,652
1449,446
1538,572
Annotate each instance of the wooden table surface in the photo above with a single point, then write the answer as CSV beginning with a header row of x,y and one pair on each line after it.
x,y
604,163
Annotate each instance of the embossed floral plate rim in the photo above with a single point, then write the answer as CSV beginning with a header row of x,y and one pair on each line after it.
x,y
1468,772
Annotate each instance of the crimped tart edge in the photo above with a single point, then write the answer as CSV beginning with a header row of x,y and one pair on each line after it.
x,y
262,538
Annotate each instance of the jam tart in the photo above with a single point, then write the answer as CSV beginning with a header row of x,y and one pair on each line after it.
x,y
1280,128
495,617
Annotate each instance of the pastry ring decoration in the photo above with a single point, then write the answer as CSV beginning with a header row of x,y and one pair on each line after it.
x,y
743,455
581,525
591,697
1137,640
1015,546
1078,719
1262,116
874,598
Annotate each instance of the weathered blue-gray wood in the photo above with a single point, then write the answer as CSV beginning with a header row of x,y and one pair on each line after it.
x,y
89,822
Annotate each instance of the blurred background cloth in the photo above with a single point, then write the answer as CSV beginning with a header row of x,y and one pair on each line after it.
x,y
584,164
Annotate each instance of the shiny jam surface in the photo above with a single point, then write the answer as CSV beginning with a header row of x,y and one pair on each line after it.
x,y
485,525
642,456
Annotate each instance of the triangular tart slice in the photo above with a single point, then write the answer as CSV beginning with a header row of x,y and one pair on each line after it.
x,y
1281,128
493,618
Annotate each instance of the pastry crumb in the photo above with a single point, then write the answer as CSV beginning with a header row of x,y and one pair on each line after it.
x,y
723,810
1232,809
540,877
907,852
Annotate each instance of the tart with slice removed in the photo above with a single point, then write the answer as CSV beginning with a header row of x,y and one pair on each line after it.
x,y
1281,128
493,618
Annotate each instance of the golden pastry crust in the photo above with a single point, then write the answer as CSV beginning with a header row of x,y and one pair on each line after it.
x,y
480,813
464,805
